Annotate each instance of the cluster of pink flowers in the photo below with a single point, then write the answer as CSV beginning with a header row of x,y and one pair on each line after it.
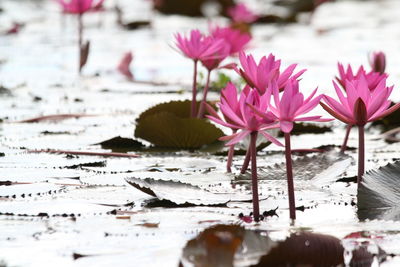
x,y
210,50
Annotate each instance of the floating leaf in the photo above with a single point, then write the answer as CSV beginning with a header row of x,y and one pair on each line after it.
x,y
183,193
219,245
121,144
178,108
165,129
379,194
324,168
306,249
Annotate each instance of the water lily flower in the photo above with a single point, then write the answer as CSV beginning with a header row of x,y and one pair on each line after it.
x,y
236,39
240,13
211,63
79,7
360,107
378,62
288,109
260,75
244,121
124,66
197,47
373,79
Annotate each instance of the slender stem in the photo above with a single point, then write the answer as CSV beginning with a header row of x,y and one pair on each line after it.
x,y
194,91
245,163
80,39
289,173
231,153
200,114
254,179
346,138
361,154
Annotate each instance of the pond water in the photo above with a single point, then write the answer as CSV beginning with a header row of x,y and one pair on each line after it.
x,y
59,207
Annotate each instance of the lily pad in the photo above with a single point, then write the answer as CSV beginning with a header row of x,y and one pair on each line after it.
x,y
321,169
183,193
168,125
379,194
121,144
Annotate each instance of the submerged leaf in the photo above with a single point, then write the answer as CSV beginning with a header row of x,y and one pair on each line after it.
x,y
183,193
305,249
164,129
222,245
379,194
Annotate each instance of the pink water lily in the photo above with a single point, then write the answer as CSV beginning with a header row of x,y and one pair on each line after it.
x,y
360,107
241,118
79,6
197,47
373,78
240,13
377,61
288,109
260,75
236,39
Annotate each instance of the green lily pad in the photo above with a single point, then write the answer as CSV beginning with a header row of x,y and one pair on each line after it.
x,y
169,125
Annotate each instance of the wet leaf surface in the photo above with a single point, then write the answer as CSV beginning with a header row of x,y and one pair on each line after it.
x,y
379,195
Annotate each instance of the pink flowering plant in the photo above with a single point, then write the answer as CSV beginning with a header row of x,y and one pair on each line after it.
x,y
359,105
239,115
288,108
373,78
79,8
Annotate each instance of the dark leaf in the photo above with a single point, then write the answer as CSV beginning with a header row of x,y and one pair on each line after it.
x,y
191,8
306,249
120,144
183,193
379,194
164,129
85,153
179,108
218,246
134,25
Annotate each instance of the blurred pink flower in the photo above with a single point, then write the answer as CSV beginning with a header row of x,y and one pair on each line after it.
x,y
79,6
236,39
373,78
197,46
361,104
213,61
240,13
124,66
378,62
260,75
240,116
